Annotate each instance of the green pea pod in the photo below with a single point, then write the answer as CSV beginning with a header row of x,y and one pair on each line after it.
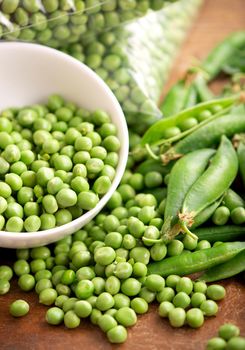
x,y
197,261
222,53
227,233
228,269
209,134
175,99
153,165
184,174
211,184
232,200
191,98
241,159
204,93
154,135
206,213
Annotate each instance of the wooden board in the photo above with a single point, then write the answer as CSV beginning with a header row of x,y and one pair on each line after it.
x,y
218,18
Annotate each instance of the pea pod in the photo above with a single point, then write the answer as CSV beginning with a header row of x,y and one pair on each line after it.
x,y
154,135
206,213
222,53
184,174
232,200
212,184
191,98
226,233
204,93
175,99
241,159
209,134
228,269
197,261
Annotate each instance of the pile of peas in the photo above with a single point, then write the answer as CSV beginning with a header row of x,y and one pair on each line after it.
x,y
100,272
53,22
56,162
228,339
182,293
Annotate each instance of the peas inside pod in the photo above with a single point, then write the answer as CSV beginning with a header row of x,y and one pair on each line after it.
x,y
55,163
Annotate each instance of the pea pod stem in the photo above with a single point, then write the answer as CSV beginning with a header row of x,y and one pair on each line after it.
x,y
228,269
151,153
186,230
200,260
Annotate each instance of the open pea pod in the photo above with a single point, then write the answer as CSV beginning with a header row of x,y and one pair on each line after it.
x,y
208,135
173,128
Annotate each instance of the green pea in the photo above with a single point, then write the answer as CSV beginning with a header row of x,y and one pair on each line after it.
x,y
172,280
238,216
131,286
158,251
21,267
164,308
184,284
126,316
4,286
236,343
200,287
166,294
6,272
216,292
155,283
123,270
112,285
175,248
194,318
106,322
117,334
54,316
19,308
216,343
171,132
104,301
48,296
71,320
182,300
104,255
209,307
84,289
82,308
140,254
26,282
221,216
188,123
177,317
228,330
197,299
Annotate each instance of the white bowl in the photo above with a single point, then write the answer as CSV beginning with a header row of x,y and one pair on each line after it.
x,y
29,73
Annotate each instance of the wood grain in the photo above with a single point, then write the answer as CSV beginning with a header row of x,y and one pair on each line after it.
x,y
218,18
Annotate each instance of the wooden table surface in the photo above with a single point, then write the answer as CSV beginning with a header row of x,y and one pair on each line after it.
x,y
217,19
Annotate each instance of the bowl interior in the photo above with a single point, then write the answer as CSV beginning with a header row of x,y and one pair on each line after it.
x,y
29,73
